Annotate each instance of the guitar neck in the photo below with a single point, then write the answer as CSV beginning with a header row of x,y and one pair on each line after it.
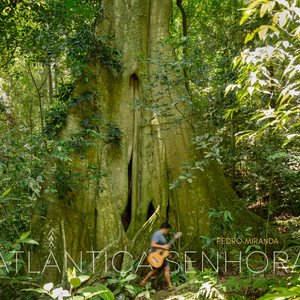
x,y
172,241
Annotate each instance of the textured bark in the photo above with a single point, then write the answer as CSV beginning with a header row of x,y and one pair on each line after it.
x,y
153,152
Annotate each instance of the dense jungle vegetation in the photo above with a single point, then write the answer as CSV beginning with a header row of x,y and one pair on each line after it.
x,y
239,62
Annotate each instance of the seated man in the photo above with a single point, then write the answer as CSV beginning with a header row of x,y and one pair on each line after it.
x,y
159,241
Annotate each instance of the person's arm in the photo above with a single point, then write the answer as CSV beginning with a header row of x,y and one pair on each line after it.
x,y
165,247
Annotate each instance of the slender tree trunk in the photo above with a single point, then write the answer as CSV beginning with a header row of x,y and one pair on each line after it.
x,y
50,83
55,76
39,96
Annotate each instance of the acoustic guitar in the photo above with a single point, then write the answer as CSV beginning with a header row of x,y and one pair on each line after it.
x,y
157,258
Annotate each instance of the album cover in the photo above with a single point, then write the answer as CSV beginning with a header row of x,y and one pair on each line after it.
x,y
149,149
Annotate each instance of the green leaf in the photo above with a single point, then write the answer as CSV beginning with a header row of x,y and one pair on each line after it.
x,y
130,277
113,281
130,289
107,295
148,285
16,247
230,112
246,15
256,3
282,18
38,290
24,235
29,241
83,278
93,289
6,193
283,2
25,278
268,297
278,155
264,8
75,282
262,33
70,274
249,37
2,272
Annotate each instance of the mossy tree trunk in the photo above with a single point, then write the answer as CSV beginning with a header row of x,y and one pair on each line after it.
x,y
136,196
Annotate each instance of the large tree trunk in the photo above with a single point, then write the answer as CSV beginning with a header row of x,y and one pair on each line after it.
x,y
154,149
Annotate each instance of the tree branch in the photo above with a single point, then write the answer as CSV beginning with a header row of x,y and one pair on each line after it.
x,y
184,47
184,18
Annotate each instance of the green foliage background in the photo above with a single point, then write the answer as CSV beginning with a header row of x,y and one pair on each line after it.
x,y
243,90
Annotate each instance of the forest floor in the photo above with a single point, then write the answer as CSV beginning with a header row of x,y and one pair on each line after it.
x,y
242,289
238,286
